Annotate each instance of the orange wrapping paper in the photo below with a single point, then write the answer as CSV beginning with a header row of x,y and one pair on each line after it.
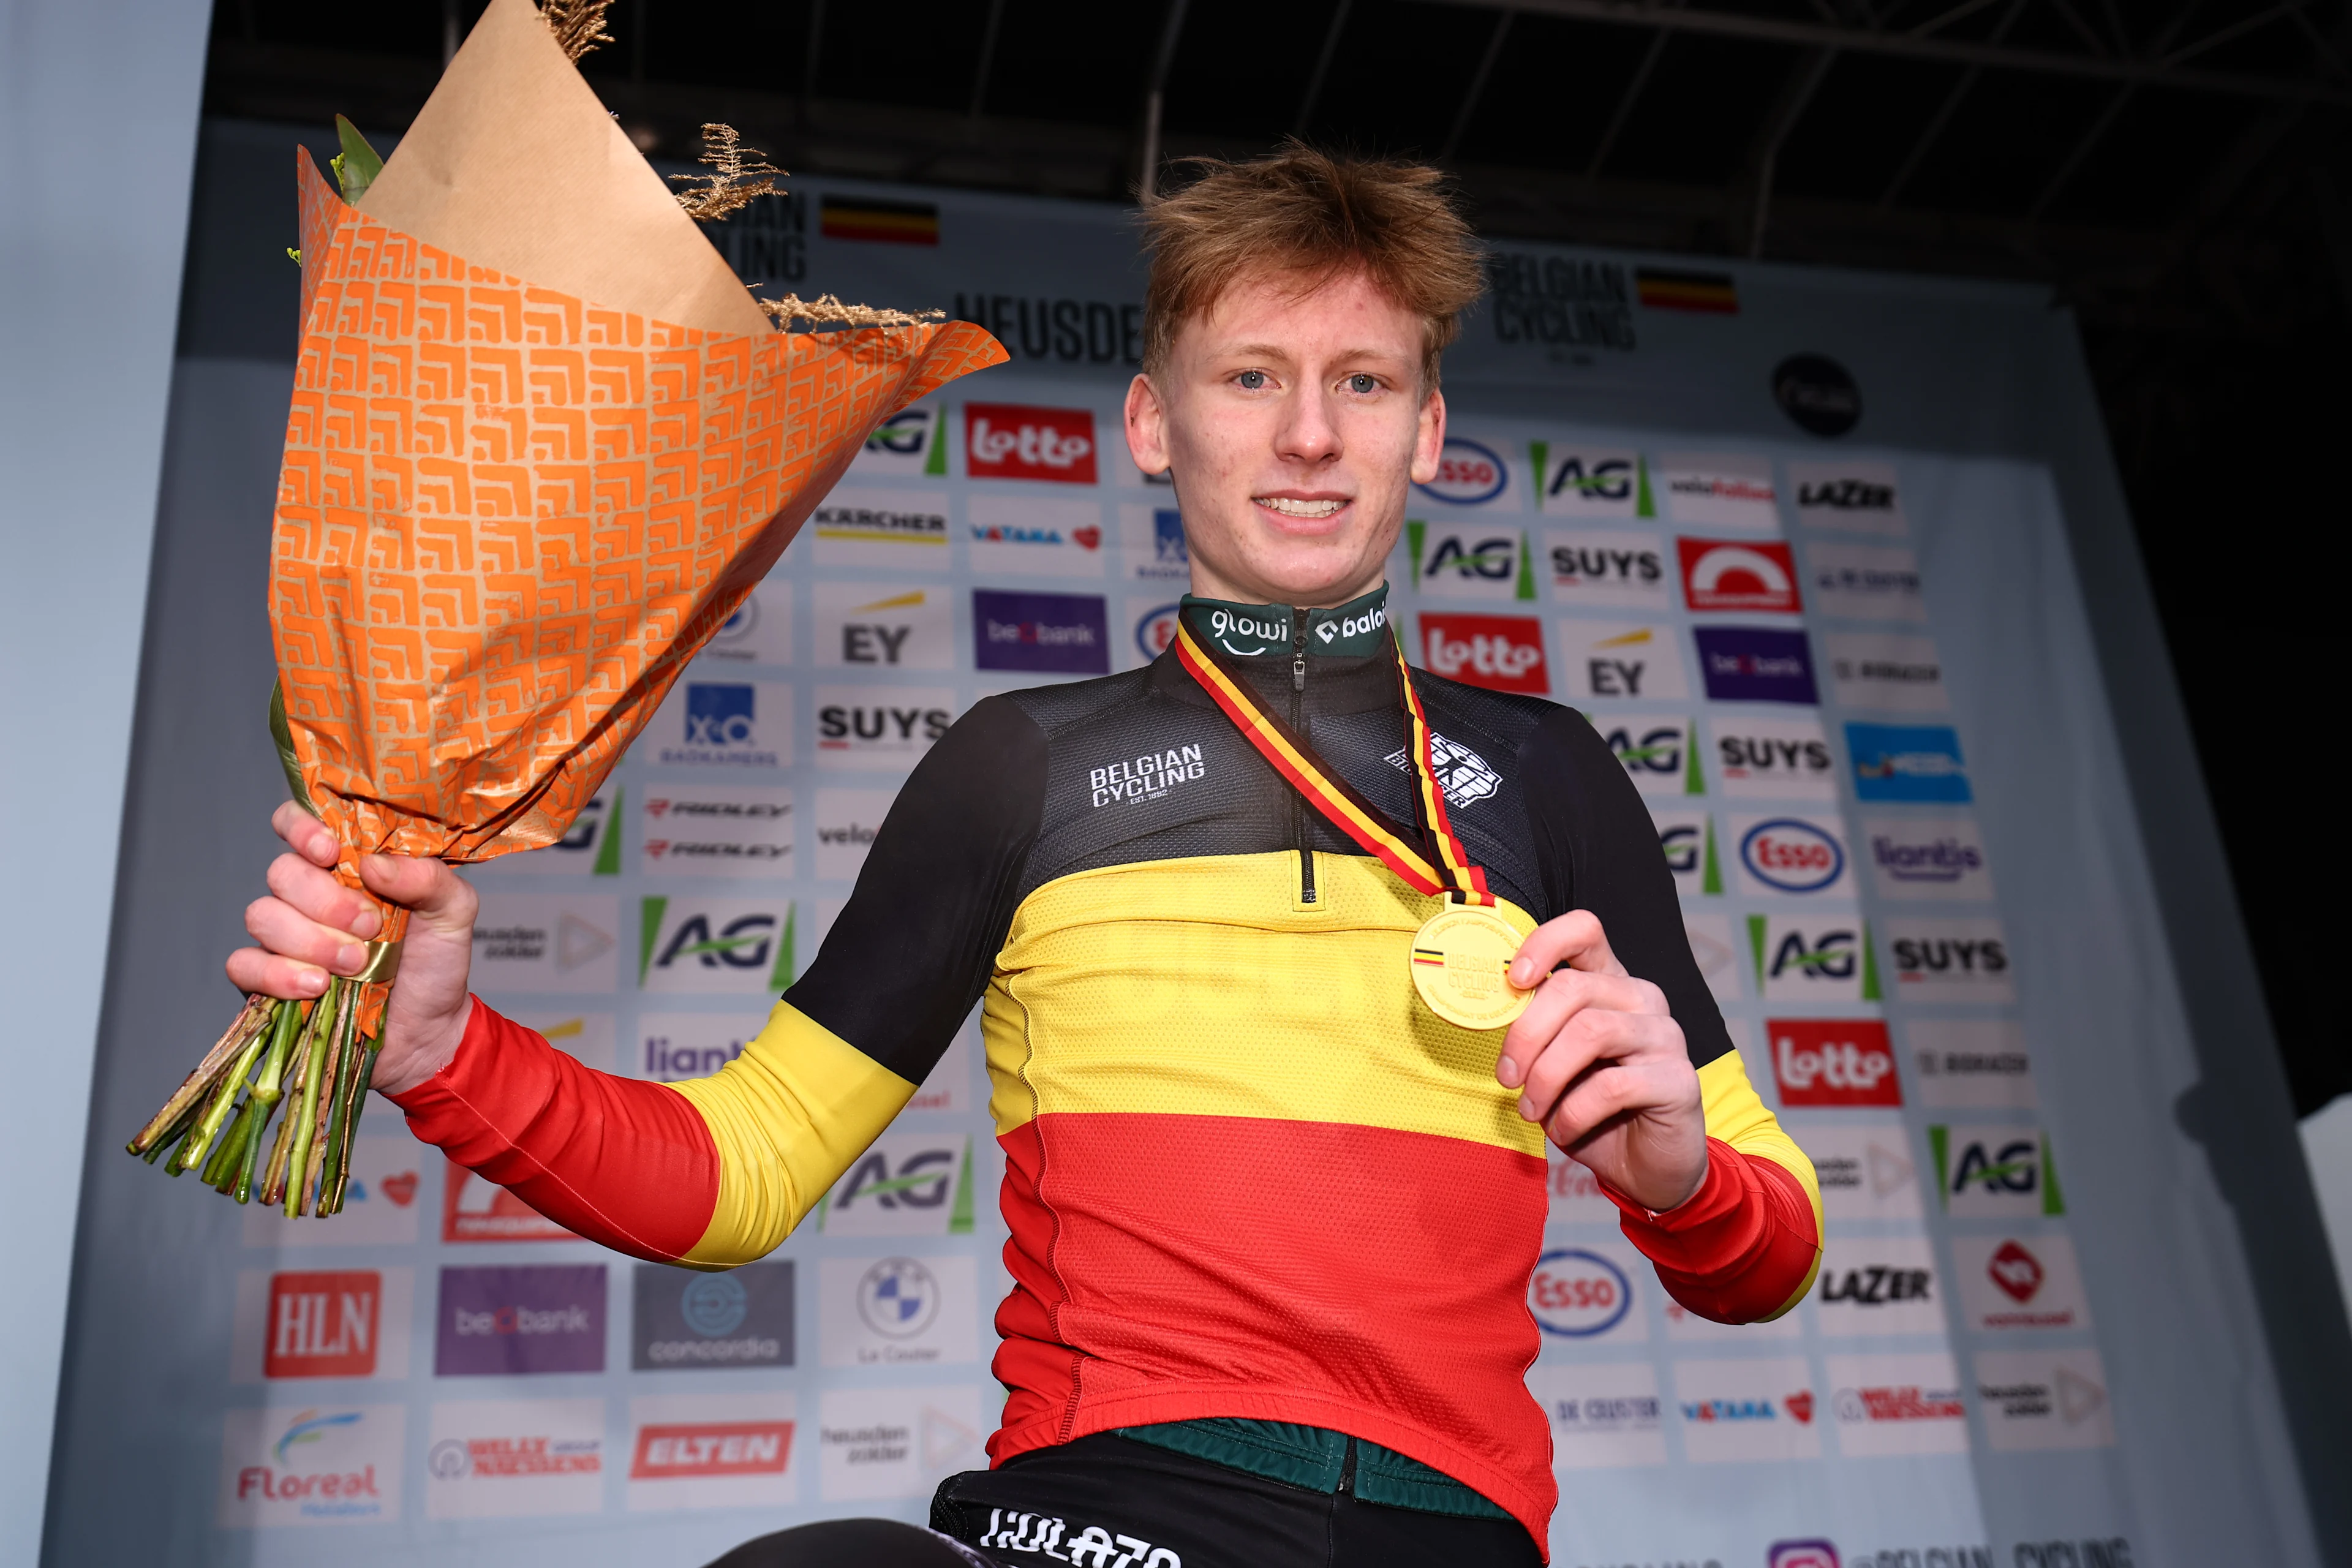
x,y
508,518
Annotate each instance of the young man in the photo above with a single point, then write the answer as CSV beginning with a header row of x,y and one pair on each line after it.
x,y
1273,1216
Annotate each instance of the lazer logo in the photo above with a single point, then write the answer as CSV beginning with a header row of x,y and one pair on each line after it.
x,y
1877,1285
1844,495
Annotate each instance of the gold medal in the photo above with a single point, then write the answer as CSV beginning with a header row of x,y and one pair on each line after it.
x,y
1461,957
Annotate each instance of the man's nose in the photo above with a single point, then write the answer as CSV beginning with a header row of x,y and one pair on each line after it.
x,y
1307,434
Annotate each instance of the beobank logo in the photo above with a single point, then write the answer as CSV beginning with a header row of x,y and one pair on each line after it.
x,y
1017,441
1501,653
1727,574
1834,1061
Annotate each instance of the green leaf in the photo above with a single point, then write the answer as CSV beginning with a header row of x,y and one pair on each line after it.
x,y
357,166
293,256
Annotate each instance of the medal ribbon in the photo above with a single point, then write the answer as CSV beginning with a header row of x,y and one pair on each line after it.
x,y
1437,863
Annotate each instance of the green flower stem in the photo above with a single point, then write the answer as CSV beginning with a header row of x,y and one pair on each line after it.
x,y
254,1018
338,1109
225,1097
306,1109
273,1180
360,1079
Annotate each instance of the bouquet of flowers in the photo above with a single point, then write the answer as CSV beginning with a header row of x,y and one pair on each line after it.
x,y
542,446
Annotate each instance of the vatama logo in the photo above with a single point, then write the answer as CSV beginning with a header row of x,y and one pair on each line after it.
x,y
1834,1061
1016,441
715,945
1730,575
1469,473
1501,653
1461,562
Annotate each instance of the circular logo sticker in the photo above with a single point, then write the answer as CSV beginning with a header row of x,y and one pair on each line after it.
x,y
1468,473
449,1458
898,1298
1818,394
1791,854
1577,1294
714,1304
1155,631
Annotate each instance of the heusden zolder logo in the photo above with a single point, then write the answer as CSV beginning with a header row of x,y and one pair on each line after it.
x,y
1020,441
1834,1061
684,1321
1756,664
1756,575
1501,653
1469,473
1061,634
1461,561
509,1321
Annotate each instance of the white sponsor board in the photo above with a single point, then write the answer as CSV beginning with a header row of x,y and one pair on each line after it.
x,y
1629,660
586,1034
884,626
1848,497
693,945
1716,952
1884,1405
1595,569
291,1325
310,1465
905,1183
1969,1064
1687,840
844,824
880,726
386,1193
713,1451
1575,480
714,830
855,526
721,723
1784,854
1035,536
497,1459
1771,758
2021,1282
1946,959
1864,582
1866,1168
759,632
1687,1327
2034,1400
1927,857
875,1443
1810,959
1604,1416
1575,1192
565,944
1722,490
1735,1410
1889,672
676,1045
904,1310
1878,1285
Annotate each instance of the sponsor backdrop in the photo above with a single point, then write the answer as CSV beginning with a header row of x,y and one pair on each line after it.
x,y
1787,644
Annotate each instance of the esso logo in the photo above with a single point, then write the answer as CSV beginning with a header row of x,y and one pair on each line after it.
x,y
1801,1554
1791,854
1016,441
1834,1061
1155,631
1577,1294
1468,474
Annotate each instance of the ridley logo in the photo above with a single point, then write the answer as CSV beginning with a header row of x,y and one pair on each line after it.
x,y
1015,441
1501,653
1834,1061
2017,1271
1719,574
682,1451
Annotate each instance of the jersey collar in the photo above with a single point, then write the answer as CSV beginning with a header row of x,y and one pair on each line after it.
x,y
1352,630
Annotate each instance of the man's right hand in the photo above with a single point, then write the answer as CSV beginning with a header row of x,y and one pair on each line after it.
x,y
311,925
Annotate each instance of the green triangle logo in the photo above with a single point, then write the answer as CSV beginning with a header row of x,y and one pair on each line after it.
x,y
1538,463
936,461
780,977
1869,966
960,1214
1415,532
608,847
1756,945
649,923
1711,878
1642,505
2052,1203
1527,589
1939,1144
1694,781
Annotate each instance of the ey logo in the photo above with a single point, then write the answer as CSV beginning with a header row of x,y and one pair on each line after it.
x,y
714,944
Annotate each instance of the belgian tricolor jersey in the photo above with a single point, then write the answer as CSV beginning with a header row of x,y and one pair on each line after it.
x,y
1247,1173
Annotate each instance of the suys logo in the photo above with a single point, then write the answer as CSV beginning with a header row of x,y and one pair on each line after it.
x,y
1815,959
1469,473
879,726
1576,1293
513,1322
1658,751
1501,653
1908,763
1834,1061
1950,959
1774,759
1995,1172
905,1183
684,1321
1597,569
1019,441
1738,574
727,723
1756,664
1791,854
1061,634
698,945
1585,481
1459,562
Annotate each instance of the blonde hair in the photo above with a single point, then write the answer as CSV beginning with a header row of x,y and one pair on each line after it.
x,y
1306,213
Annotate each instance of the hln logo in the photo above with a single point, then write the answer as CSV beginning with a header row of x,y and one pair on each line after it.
x,y
715,944
323,1324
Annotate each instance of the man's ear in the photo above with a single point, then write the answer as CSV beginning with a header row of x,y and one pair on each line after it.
x,y
1146,427
1428,441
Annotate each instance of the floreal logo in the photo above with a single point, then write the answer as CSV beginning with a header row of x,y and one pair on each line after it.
x,y
1015,441
1501,653
318,1465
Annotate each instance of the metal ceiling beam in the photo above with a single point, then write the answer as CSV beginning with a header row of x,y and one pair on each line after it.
x,y
987,55
1322,68
1477,84
1918,46
1155,96
1625,102
1950,106
1764,156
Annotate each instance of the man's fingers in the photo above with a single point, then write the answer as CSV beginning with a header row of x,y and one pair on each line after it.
x,y
305,835
290,933
439,896
320,897
1565,995
272,975
1574,939
1591,1037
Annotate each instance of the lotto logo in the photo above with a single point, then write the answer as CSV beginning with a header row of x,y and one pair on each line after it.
x,y
1834,1061
1501,653
1014,441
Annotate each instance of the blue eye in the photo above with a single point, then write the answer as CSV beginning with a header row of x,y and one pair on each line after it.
x,y
1363,384
1251,380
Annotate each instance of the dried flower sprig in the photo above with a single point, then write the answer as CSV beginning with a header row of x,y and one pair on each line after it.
x,y
578,24
827,311
733,184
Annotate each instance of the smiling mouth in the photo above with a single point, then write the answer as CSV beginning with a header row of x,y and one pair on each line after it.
x,y
1304,508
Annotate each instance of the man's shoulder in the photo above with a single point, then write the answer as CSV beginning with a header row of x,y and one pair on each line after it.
x,y
1504,718
1058,708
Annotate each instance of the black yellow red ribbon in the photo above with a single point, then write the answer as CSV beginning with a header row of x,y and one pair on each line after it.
x,y
1438,864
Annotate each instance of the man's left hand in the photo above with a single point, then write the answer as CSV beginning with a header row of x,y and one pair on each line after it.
x,y
1601,1065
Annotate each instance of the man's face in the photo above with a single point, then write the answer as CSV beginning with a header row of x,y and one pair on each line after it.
x,y
1294,425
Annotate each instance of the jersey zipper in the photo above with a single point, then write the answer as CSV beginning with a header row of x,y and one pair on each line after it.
x,y
1299,723
1347,1468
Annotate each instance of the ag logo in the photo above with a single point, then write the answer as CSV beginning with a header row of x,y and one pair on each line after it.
x,y
904,434
1790,855
1724,574
907,1184
715,945
1656,752
1577,1294
906,443
1469,564
1801,959
1995,1172
1469,473
1687,840
1585,482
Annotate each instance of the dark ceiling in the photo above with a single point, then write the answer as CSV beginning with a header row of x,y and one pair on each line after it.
x,y
2178,173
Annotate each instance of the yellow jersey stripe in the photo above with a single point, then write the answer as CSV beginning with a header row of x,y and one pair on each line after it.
x,y
1736,1115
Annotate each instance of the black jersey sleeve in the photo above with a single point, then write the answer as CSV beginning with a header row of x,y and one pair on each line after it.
x,y
915,946
1599,851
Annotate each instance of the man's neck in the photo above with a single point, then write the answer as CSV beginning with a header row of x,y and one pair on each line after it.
x,y
1248,629
1208,585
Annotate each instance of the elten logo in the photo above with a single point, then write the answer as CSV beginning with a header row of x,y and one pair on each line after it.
x,y
1019,441
1501,653
1730,575
683,1450
1469,473
1834,1061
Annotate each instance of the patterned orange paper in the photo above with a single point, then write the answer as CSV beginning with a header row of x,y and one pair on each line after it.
x,y
508,518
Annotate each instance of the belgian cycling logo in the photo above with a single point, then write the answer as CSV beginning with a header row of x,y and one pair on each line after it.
x,y
1133,781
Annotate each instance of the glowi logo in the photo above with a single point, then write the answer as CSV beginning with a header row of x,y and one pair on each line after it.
x,y
1016,441
1468,473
